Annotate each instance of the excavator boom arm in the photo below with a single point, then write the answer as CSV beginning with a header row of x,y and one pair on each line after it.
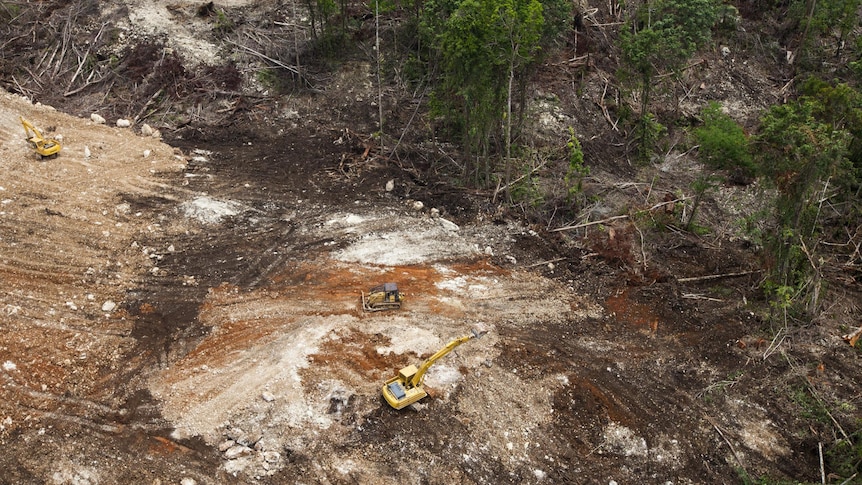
x,y
417,378
28,127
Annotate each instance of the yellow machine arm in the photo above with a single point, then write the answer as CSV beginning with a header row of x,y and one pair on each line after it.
x,y
406,388
417,378
44,147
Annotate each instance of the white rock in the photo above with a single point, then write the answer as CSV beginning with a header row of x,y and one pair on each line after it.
x,y
390,185
226,445
123,123
147,153
87,151
109,306
9,365
268,396
271,456
237,451
725,51
418,205
449,225
157,134
188,481
97,119
146,130
435,212
489,251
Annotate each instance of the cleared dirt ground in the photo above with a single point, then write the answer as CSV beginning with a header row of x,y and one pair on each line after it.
x,y
191,314
194,314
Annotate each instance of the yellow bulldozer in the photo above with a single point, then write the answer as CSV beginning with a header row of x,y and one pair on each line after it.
x,y
44,147
382,297
406,388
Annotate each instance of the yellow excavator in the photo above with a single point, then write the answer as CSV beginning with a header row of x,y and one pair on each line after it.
x,y
45,148
382,297
406,388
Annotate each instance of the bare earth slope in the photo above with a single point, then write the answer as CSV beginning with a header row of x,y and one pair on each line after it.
x,y
191,315
170,317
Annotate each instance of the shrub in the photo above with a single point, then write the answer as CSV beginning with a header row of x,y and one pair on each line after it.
x,y
723,144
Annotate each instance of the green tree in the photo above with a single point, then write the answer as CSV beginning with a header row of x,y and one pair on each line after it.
x,y
819,17
485,48
661,36
799,154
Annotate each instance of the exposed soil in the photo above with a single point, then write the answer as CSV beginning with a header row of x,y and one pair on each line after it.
x,y
191,312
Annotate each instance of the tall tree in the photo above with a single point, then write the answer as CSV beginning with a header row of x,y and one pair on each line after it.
x,y
661,36
800,154
485,47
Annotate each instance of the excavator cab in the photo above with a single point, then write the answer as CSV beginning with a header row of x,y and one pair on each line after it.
x,y
45,148
382,297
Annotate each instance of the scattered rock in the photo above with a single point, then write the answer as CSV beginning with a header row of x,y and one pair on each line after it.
x,y
147,130
123,123
390,185
449,225
109,306
226,445
237,451
435,212
188,481
147,153
418,205
271,457
97,119
242,438
86,152
268,397
9,365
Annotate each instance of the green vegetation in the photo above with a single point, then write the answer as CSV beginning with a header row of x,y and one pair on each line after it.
x,y
577,170
223,23
484,49
722,143
800,153
660,36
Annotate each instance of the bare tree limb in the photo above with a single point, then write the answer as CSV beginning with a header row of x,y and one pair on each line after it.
x,y
266,57
729,444
587,224
715,276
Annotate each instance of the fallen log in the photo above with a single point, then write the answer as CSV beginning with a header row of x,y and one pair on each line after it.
x,y
852,338
715,276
